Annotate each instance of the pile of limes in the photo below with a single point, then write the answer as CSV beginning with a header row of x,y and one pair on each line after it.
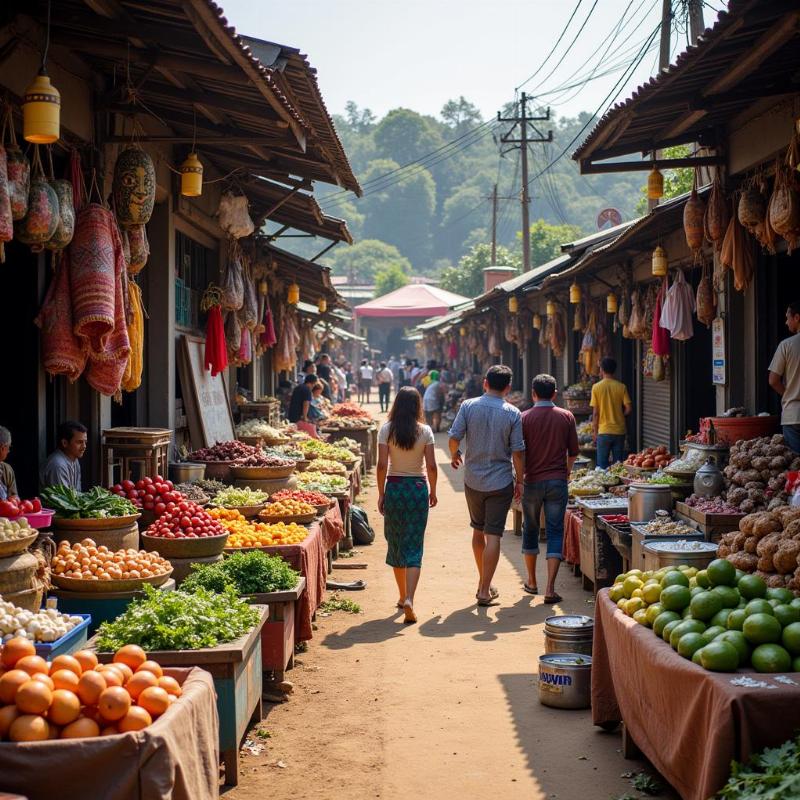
x,y
719,617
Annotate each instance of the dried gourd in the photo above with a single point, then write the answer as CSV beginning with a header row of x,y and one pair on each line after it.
x,y
693,218
784,205
717,216
705,301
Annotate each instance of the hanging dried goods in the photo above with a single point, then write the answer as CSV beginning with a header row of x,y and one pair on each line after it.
x,y
693,217
139,248
233,335
738,254
705,301
233,284
784,205
752,208
234,217
6,220
19,180
65,229
132,377
134,187
717,214
41,221
286,350
677,310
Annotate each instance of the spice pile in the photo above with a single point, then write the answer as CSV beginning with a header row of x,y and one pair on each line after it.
x,y
351,410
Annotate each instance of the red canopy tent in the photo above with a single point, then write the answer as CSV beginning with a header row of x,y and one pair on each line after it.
x,y
415,301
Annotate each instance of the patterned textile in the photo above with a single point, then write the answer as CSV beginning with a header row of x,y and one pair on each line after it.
x,y
404,521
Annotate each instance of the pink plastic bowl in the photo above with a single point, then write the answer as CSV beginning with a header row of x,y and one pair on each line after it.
x,y
40,519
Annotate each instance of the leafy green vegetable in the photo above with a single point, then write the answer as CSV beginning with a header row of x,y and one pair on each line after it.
x,y
179,621
337,603
248,573
94,504
233,497
769,775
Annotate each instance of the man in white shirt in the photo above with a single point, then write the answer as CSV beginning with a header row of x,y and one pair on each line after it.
x,y
385,379
784,378
365,373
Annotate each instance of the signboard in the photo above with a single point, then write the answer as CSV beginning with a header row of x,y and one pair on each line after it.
x,y
719,377
205,398
608,218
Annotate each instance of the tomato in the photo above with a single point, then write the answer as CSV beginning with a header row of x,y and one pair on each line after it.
x,y
26,507
170,485
160,508
158,479
37,505
127,485
8,509
183,506
185,522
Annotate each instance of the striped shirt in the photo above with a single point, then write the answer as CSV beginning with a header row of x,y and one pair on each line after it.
x,y
491,430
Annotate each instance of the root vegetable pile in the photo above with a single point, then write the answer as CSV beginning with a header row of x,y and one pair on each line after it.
x,y
711,505
87,561
651,458
11,530
224,451
45,625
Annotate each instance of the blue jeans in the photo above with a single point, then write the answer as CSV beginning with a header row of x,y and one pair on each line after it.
x,y
791,433
553,495
610,444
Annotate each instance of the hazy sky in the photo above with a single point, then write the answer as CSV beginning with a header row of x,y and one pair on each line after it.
x,y
419,53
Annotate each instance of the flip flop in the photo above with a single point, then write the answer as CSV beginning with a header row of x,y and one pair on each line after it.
x,y
530,589
494,593
553,598
487,603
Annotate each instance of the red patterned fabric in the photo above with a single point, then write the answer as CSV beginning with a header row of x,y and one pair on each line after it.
x,y
268,337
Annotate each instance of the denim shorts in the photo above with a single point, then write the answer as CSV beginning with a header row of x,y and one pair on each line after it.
x,y
553,496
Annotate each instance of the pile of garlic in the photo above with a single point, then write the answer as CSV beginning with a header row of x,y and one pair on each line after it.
x,y
45,625
13,529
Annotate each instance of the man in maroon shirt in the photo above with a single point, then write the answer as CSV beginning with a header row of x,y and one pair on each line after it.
x,y
551,447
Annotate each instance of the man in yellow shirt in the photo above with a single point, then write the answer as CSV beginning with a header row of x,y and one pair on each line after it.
x,y
611,403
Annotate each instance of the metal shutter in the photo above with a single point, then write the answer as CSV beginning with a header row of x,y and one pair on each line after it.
x,y
656,404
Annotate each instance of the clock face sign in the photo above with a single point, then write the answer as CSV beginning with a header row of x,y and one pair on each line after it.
x,y
608,218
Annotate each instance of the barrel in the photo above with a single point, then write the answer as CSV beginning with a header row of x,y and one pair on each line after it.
x,y
114,537
565,680
181,567
568,633
673,553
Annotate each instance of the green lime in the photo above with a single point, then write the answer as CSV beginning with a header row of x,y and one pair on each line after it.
x,y
761,629
702,579
759,607
771,658
795,603
729,594
712,632
784,595
736,619
721,617
697,655
739,575
796,664
695,590
721,572
705,605
736,638
786,615
751,586
791,638
774,602
615,593
675,578
640,616
666,633
630,584
690,643
653,611
662,619
675,597
684,627
720,656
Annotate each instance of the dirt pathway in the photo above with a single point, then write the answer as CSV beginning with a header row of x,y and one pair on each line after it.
x,y
447,708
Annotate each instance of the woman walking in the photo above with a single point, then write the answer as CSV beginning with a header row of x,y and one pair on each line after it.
x,y
404,497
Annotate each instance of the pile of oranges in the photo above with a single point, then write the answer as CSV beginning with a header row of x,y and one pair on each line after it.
x,y
287,508
74,697
87,561
244,533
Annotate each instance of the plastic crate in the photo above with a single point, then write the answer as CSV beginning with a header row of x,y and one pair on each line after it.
x,y
69,643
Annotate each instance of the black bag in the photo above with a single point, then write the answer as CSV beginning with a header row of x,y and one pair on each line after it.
x,y
360,528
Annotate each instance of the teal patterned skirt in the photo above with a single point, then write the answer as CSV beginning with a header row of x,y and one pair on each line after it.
x,y
405,516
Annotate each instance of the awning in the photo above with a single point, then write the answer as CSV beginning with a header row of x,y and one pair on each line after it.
x,y
313,279
413,301
340,333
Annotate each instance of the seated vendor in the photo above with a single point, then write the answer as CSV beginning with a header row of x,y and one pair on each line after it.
x,y
62,467
8,482
316,411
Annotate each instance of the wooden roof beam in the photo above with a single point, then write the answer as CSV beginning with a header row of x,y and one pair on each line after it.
x,y
683,123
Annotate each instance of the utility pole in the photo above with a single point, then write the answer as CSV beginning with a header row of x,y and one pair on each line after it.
x,y
523,121
696,23
494,225
666,29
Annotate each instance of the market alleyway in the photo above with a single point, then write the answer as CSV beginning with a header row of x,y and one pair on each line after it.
x,y
447,708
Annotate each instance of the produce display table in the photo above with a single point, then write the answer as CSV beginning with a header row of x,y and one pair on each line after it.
x,y
332,528
176,757
572,536
236,670
362,435
689,722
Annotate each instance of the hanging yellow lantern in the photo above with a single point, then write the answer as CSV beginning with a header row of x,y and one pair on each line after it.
x,y
322,305
263,287
550,308
574,294
659,262
655,185
513,304
611,303
41,111
191,176
537,322
463,330
293,295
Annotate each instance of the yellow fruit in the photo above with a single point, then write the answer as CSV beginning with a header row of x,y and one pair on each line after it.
x,y
633,605
630,584
651,593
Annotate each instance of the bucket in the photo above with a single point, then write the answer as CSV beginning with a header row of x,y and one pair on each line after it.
x,y
568,633
186,471
565,680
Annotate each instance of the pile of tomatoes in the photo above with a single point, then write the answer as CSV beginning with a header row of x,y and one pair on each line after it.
x,y
185,520
74,697
151,494
14,507
651,458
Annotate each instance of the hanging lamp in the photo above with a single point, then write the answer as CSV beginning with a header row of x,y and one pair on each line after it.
x,y
575,294
41,104
655,184
611,303
263,287
659,262
537,322
322,305
513,304
293,294
192,176
550,308
463,330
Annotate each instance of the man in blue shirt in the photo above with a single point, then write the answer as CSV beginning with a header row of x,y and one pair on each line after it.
x,y
492,433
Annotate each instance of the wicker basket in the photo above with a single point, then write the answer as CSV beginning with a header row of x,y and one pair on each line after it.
x,y
262,473
101,587
201,547
11,548
300,519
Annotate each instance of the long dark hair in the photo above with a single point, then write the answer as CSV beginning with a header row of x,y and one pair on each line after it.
x,y
404,418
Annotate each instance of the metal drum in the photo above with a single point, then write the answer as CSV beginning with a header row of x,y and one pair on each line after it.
x,y
568,633
644,499
565,680
658,554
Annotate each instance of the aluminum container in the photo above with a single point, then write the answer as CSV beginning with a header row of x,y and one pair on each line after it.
x,y
644,499
568,633
656,556
565,680
186,472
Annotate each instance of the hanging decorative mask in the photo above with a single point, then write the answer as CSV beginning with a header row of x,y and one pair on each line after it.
x,y
134,187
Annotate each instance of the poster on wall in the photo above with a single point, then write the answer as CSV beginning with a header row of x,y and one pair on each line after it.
x,y
718,352
205,397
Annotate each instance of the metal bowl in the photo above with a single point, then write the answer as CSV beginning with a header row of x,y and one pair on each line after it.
x,y
186,472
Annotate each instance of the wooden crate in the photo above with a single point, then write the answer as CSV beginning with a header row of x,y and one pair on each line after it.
x,y
713,526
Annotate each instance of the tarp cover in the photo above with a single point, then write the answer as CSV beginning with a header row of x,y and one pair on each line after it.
x,y
416,300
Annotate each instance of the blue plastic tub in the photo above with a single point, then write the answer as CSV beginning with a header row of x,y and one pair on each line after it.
x,y
69,643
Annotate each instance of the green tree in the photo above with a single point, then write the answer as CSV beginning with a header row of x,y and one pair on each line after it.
x,y
405,135
389,278
676,181
460,115
467,277
363,260
361,119
546,240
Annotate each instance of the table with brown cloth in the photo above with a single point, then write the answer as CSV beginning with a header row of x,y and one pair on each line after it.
x,y
175,758
308,558
332,528
689,722
572,536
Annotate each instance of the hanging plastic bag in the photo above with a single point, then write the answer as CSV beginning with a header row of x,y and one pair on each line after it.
x,y
233,285
234,217
677,309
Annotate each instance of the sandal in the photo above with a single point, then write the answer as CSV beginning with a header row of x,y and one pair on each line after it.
x,y
553,598
494,593
530,589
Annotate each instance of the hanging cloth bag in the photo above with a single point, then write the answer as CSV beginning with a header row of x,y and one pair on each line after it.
x,y
677,310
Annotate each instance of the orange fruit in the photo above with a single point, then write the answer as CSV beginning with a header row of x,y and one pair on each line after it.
x,y
65,679
155,700
65,707
139,682
7,715
170,685
83,727
66,662
113,703
123,670
90,687
33,697
109,730
113,677
10,682
15,649
130,654
55,731
33,664
45,679
151,666
86,658
29,728
135,720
